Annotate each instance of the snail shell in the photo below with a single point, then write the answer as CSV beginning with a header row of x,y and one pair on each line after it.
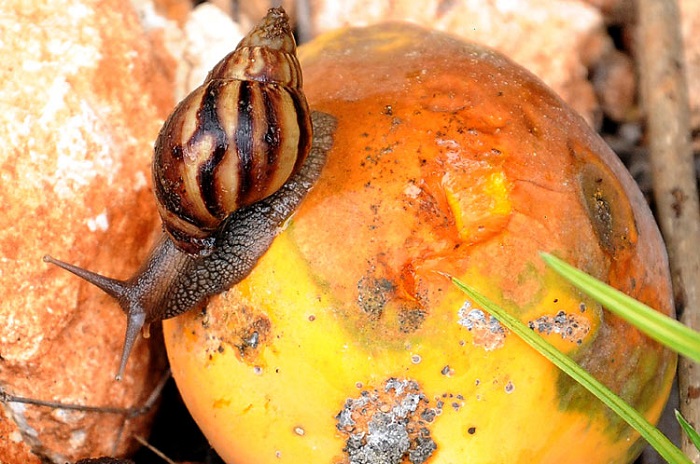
x,y
235,139
230,168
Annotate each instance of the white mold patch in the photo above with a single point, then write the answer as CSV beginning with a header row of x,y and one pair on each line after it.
x,y
487,332
388,425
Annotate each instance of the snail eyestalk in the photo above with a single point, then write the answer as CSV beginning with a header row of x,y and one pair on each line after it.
x,y
125,296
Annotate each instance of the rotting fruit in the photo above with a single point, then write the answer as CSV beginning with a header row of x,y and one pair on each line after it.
x,y
348,345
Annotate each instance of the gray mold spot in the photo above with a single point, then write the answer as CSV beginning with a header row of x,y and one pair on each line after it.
x,y
571,327
487,331
389,425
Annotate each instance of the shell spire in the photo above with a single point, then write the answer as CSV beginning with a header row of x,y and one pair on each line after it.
x,y
267,54
273,31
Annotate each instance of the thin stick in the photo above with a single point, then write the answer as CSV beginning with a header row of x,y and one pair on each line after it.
x,y
153,449
129,413
665,97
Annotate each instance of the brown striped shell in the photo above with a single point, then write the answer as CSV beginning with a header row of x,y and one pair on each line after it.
x,y
234,140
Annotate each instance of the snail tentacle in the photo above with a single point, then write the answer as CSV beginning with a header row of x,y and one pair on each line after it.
x,y
122,292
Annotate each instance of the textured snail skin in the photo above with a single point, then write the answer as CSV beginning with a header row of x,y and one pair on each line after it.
x,y
172,281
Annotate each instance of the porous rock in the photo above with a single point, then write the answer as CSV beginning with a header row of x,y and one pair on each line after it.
x,y
690,24
85,89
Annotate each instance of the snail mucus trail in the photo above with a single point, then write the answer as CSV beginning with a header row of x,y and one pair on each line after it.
x,y
231,164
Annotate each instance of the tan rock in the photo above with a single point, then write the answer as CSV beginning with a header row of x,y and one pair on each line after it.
x,y
84,93
176,10
209,35
557,41
690,17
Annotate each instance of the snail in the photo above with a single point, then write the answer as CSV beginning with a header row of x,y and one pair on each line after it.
x,y
235,139
231,164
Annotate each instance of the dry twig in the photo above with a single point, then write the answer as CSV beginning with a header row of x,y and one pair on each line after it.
x,y
665,96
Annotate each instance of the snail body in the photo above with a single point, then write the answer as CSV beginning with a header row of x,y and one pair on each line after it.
x,y
227,175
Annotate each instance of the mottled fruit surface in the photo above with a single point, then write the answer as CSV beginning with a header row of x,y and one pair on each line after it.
x,y
347,344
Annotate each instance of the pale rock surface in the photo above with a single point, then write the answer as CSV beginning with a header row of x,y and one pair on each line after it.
x,y
85,88
209,35
176,10
690,18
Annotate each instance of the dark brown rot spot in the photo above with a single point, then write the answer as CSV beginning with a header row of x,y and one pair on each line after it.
x,y
388,425
254,334
373,294
411,319
606,202
246,330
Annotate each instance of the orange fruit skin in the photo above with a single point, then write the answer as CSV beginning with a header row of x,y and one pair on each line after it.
x,y
347,342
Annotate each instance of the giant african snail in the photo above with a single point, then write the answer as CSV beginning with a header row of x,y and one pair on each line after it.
x,y
230,167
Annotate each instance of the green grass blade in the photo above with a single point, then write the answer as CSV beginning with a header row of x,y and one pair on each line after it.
x,y
650,433
660,327
688,429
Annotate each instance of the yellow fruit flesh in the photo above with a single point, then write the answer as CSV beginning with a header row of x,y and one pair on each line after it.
x,y
281,405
